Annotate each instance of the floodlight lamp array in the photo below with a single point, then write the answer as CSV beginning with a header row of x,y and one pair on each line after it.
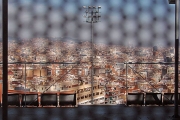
x,y
92,14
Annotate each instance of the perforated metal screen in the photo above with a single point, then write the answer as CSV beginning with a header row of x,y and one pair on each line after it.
x,y
124,22
55,31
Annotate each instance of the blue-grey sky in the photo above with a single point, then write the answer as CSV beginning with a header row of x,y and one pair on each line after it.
x,y
124,22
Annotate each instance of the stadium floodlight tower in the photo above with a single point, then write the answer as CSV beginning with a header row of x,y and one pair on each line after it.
x,y
92,15
176,2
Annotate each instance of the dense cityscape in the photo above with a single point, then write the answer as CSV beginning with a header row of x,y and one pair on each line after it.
x,y
42,64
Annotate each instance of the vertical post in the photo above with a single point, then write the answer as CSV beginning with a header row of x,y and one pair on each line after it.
x,y
25,75
126,82
176,58
5,57
25,81
92,65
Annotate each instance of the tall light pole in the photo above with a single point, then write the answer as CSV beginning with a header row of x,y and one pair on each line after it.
x,y
176,2
92,15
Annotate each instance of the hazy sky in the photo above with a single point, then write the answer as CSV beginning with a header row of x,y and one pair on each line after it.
x,y
124,22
